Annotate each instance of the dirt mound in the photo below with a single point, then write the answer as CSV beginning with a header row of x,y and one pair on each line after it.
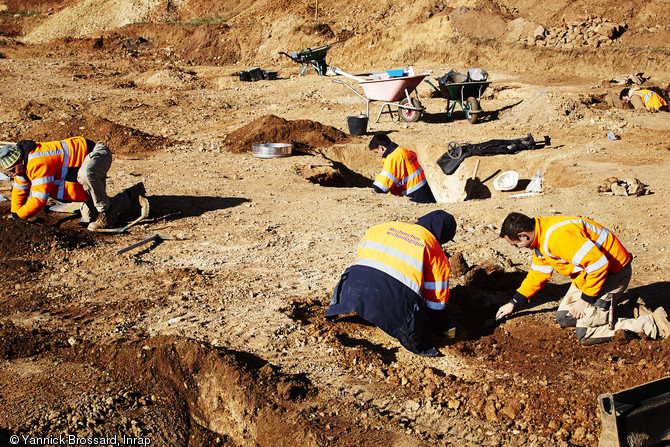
x,y
204,44
305,135
122,140
484,24
196,396
544,392
31,244
228,392
17,342
89,17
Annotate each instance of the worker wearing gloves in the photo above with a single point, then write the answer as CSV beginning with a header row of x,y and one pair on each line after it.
x,y
71,170
400,281
593,258
401,175
642,98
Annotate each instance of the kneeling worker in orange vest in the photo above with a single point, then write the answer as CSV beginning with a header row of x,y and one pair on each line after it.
x,y
71,170
642,98
400,281
598,265
401,175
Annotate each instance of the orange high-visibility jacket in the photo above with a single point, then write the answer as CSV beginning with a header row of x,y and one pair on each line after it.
x,y
51,170
575,247
401,173
650,98
410,254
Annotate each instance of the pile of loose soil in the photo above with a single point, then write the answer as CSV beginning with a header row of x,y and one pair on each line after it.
x,y
30,244
18,342
305,135
122,140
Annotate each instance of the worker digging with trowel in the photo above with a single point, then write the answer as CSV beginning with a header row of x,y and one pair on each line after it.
x,y
598,265
401,175
71,170
400,281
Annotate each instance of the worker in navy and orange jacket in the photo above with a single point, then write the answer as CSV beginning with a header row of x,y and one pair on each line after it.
x,y
400,281
70,170
642,98
401,175
597,263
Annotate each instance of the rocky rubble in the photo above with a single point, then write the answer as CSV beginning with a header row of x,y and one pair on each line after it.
x,y
593,32
94,415
621,187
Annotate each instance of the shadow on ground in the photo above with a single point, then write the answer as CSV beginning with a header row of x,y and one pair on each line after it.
x,y
169,208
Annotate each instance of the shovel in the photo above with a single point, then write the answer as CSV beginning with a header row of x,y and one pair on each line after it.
x,y
472,183
144,214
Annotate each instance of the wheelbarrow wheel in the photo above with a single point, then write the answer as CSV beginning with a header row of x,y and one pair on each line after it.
x,y
409,115
473,110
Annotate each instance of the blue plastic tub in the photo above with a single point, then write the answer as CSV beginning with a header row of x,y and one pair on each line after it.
x,y
395,73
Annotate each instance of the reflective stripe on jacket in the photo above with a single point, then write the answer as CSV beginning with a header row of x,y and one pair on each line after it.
x,y
401,174
410,254
650,98
51,171
575,247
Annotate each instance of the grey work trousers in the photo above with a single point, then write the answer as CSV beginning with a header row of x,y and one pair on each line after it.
x,y
593,327
93,178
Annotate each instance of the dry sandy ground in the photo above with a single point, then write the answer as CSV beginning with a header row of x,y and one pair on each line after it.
x,y
214,334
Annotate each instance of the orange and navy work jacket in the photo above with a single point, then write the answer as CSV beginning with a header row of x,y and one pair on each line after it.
x,y
401,174
410,254
650,98
578,248
51,171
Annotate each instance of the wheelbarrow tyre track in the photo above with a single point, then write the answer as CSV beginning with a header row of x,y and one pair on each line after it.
x,y
409,115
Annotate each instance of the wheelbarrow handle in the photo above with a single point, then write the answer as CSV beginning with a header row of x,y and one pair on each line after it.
x,y
431,84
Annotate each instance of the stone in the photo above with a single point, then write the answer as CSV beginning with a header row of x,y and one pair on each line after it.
x,y
490,412
619,190
578,435
458,265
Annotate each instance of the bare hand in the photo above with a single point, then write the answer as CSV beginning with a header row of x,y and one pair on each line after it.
x,y
577,310
504,311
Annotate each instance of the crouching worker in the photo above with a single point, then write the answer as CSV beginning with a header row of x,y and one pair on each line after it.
x,y
643,99
400,281
71,170
598,265
401,174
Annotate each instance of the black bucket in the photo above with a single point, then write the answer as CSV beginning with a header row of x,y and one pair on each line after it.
x,y
358,125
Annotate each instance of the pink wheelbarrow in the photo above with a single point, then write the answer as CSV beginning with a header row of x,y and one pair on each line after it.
x,y
393,91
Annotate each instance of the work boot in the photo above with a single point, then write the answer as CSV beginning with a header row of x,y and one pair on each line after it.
x,y
105,220
661,320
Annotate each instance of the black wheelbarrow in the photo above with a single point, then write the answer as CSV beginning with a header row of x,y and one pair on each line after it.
x,y
315,57
466,94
